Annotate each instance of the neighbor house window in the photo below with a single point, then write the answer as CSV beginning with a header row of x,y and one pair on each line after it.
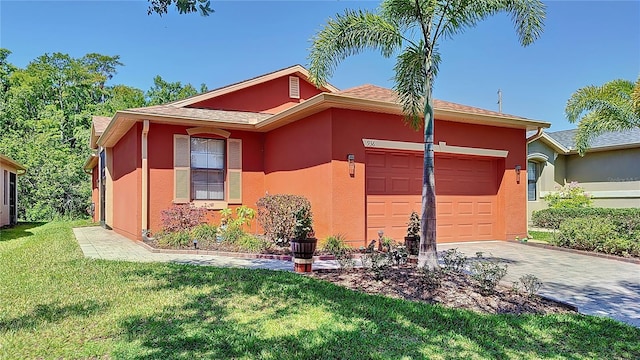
x,y
207,169
532,177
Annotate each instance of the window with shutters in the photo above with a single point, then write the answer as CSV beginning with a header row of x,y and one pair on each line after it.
x,y
207,168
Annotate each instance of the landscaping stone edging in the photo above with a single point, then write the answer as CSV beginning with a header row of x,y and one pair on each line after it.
x,y
581,252
228,253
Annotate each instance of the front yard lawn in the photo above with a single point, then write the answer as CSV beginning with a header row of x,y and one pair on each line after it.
x,y
546,236
56,304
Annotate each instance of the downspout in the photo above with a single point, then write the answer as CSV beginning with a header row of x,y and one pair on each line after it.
x,y
145,181
535,136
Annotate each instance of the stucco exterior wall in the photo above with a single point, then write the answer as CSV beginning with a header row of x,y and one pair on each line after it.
x,y
612,177
269,97
126,183
297,160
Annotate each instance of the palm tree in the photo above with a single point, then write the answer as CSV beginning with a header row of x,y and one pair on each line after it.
x,y
614,106
415,27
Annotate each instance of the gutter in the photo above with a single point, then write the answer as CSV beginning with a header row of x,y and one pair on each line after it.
x,y
145,181
535,136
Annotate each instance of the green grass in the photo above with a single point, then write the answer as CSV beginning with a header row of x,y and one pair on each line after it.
x,y
546,236
56,304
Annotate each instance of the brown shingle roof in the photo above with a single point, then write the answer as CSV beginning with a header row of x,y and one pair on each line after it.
x,y
373,92
235,117
100,123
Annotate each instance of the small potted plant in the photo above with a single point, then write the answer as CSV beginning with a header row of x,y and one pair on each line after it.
x,y
303,243
412,240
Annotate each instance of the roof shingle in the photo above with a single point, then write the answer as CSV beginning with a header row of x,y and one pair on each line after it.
x,y
373,92
616,138
100,123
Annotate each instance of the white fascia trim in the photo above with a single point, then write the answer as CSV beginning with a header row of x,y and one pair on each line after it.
x,y
442,147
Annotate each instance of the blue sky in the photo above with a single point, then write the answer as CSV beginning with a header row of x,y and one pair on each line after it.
x,y
585,42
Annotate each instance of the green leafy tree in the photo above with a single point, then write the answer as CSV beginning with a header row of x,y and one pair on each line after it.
x,y
163,92
412,29
614,106
161,7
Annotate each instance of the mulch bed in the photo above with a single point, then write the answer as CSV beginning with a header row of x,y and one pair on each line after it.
x,y
457,290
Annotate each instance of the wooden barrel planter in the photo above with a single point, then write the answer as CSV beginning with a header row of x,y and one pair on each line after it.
x,y
302,251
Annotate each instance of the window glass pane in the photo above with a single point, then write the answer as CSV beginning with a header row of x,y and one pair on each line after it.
x,y
531,192
198,145
207,174
532,171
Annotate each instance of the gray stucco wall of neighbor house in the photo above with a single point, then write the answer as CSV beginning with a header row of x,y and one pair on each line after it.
x,y
547,174
612,177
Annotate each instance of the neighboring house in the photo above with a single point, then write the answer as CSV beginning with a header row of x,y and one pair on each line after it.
x,y
349,152
9,172
609,171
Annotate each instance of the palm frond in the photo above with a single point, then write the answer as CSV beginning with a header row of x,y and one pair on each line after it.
x,y
349,34
527,15
613,97
411,81
596,123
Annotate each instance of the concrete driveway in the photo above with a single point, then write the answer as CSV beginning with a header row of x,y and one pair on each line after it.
x,y
595,285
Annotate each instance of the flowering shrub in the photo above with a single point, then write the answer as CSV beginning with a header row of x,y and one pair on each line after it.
x,y
568,196
181,217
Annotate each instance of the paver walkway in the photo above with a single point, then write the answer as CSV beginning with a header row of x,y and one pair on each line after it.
x,y
596,286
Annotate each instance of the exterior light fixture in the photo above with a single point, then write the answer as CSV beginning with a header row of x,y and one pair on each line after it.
x,y
352,164
518,168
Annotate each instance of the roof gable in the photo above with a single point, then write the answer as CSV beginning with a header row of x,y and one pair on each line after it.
x,y
295,70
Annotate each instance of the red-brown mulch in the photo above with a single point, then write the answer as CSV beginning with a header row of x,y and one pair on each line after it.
x,y
456,290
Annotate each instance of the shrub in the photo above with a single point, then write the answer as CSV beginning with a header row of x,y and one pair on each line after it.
x,y
337,246
252,244
413,227
626,221
531,284
376,261
487,273
568,196
277,216
231,233
176,239
432,279
586,233
398,254
386,243
181,217
204,233
454,260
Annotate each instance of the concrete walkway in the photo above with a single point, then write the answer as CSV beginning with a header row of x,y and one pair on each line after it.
x,y
98,243
596,286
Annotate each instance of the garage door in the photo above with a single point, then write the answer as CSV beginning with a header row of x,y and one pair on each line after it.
x,y
466,201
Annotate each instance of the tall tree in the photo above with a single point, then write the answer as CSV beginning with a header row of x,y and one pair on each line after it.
x,y
413,28
161,7
614,106
163,91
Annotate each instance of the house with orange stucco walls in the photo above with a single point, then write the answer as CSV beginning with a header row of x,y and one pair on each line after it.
x,y
349,152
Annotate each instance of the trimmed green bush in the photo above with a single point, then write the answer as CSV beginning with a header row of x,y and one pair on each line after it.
x,y
586,233
626,221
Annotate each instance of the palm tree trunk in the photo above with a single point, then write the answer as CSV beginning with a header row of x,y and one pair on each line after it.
x,y
428,256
